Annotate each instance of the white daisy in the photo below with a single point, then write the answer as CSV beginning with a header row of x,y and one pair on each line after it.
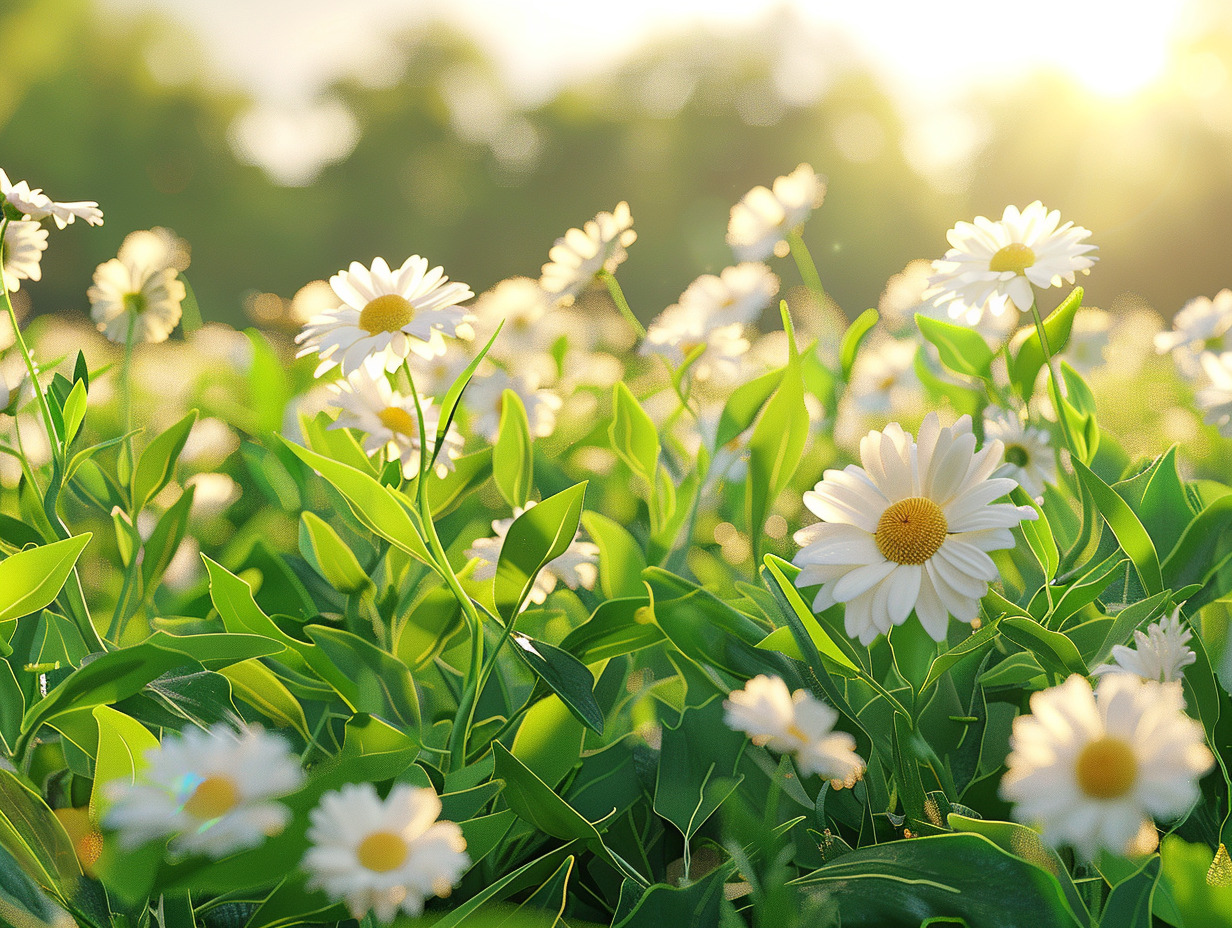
x,y
1093,769
1215,400
1029,458
1201,325
213,495
139,289
385,315
36,205
1089,339
434,376
581,254
679,330
908,530
484,397
521,304
994,265
212,790
736,296
382,856
903,295
577,567
1162,652
24,244
883,378
387,418
760,222
794,723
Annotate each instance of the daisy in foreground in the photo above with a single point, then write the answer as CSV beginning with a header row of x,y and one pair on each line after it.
x,y
582,254
909,530
1162,652
1093,769
383,855
795,723
369,404
577,567
214,791
385,315
995,265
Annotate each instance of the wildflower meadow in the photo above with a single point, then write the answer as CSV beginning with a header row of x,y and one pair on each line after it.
x,y
422,607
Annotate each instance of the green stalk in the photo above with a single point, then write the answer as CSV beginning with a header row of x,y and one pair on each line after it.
x,y
807,267
1054,376
618,297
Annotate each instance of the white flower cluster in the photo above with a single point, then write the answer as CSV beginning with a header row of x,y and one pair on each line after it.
x,y
25,239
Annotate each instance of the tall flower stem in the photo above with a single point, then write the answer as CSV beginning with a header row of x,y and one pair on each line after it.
x,y
807,267
1054,377
618,297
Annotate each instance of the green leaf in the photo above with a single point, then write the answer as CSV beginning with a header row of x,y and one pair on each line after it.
x,y
31,579
962,349
378,683
742,407
849,347
157,462
1053,650
565,676
536,803
536,537
697,767
260,687
74,411
469,473
449,405
621,560
30,831
330,556
1202,902
782,574
122,746
513,460
617,627
633,434
956,875
1025,367
1129,531
1192,558
1038,535
1129,904
165,539
976,643
373,504
549,741
700,625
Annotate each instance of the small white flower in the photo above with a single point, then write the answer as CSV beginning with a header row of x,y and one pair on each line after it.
x,y
883,379
1215,400
1093,769
385,315
213,494
903,295
794,723
909,530
209,443
137,289
1201,325
581,254
36,205
484,398
1029,458
24,244
995,265
678,331
521,304
1162,653
760,222
1089,339
388,421
382,856
736,296
212,790
577,567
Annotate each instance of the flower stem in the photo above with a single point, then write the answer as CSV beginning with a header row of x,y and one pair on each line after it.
x,y
807,267
618,297
1055,379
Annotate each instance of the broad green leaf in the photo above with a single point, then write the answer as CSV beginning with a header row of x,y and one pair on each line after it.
x,y
549,740
260,687
633,434
469,473
564,675
513,459
1201,901
1026,365
780,581
190,310
621,560
30,831
373,504
122,746
695,903
525,876
377,682
1039,536
157,462
536,803
536,537
1053,650
1129,904
617,627
74,411
1192,558
1125,524
700,625
859,329
31,579
962,349
697,767
330,555
976,643
742,407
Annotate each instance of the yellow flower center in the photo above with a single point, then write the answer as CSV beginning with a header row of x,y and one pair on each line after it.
x,y
1107,768
387,313
214,796
1015,257
398,420
911,530
382,851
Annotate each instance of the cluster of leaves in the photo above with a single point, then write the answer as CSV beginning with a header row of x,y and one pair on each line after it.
x,y
580,744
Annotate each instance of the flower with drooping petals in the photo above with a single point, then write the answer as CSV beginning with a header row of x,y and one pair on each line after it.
x,y
382,856
24,244
762,220
909,530
213,791
1094,769
36,205
1162,652
581,254
794,723
995,265
385,316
